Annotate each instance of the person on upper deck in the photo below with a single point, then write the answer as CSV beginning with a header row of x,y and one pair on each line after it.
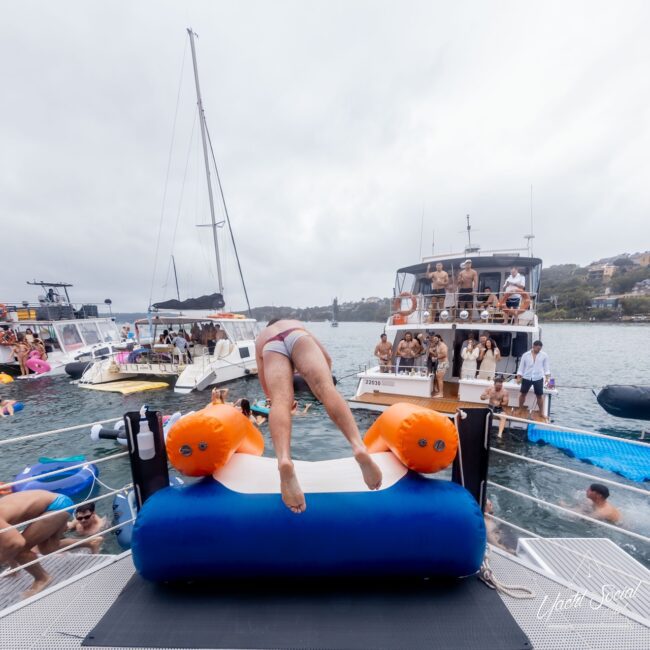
x,y
467,284
439,283
514,283
285,346
384,352
534,371
490,300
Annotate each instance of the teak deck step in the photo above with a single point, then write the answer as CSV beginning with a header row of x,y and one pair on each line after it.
x,y
447,405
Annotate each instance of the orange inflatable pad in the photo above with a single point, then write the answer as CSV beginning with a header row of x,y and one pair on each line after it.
x,y
202,442
424,440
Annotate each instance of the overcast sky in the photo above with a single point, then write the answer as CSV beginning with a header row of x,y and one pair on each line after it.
x,y
339,128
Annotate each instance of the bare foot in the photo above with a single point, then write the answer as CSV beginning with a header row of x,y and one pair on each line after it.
x,y
369,469
292,494
38,586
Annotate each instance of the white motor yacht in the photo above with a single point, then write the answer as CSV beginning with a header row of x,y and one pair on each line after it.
x,y
458,315
70,332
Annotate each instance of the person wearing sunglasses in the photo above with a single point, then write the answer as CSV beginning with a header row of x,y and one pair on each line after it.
x,y
86,521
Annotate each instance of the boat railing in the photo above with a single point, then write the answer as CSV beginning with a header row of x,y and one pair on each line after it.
x,y
111,492
53,311
453,307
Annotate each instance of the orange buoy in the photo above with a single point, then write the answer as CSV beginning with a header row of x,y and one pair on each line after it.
x,y
202,442
424,440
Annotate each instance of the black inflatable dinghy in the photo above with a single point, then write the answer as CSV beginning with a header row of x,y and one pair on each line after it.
x,y
626,401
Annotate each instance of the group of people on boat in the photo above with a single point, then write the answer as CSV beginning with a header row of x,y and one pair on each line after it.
x,y
24,345
462,285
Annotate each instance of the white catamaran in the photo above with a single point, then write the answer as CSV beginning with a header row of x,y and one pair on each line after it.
x,y
208,346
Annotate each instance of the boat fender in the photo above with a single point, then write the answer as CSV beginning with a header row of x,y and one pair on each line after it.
x,y
200,443
5,378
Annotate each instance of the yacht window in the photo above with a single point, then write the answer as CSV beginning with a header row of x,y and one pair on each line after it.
x,y
48,336
244,352
69,336
492,280
503,341
108,331
90,333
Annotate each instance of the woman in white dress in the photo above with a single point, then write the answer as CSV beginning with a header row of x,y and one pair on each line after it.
x,y
470,354
489,355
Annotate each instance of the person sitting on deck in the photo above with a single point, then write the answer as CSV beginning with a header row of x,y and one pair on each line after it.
x,y
283,346
600,508
497,400
490,300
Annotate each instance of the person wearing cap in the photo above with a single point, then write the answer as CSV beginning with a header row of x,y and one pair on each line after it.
x,y
467,285
598,494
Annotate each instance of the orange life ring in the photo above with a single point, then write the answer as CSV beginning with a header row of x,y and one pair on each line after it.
x,y
524,302
397,303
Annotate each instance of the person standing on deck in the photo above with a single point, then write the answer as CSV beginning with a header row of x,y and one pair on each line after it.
x,y
467,285
439,282
439,351
283,346
534,371
407,349
384,352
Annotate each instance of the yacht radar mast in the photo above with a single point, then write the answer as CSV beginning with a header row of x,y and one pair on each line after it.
x,y
469,249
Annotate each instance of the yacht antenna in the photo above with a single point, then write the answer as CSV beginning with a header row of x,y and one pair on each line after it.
x,y
178,293
470,249
421,230
529,238
207,161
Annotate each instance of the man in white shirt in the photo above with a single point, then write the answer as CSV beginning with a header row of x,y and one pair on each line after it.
x,y
180,343
514,283
534,371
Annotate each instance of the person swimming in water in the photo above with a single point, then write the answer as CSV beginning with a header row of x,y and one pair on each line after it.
x,y
283,346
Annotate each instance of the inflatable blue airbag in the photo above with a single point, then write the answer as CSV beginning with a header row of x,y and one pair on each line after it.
x,y
416,527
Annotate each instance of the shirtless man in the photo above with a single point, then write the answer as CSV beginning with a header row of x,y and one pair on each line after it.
x,y
285,345
439,282
7,405
15,547
467,284
497,401
86,521
384,352
407,349
598,494
439,351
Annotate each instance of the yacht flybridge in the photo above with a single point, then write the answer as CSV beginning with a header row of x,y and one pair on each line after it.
x,y
457,314
69,331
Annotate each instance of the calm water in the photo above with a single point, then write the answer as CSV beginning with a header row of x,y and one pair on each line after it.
x,y
583,356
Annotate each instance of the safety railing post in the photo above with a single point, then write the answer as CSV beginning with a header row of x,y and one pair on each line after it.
x,y
470,466
147,454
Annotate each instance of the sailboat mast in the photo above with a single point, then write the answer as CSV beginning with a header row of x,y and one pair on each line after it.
x,y
178,293
205,156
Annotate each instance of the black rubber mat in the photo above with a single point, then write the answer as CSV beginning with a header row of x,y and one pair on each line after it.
x,y
463,614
